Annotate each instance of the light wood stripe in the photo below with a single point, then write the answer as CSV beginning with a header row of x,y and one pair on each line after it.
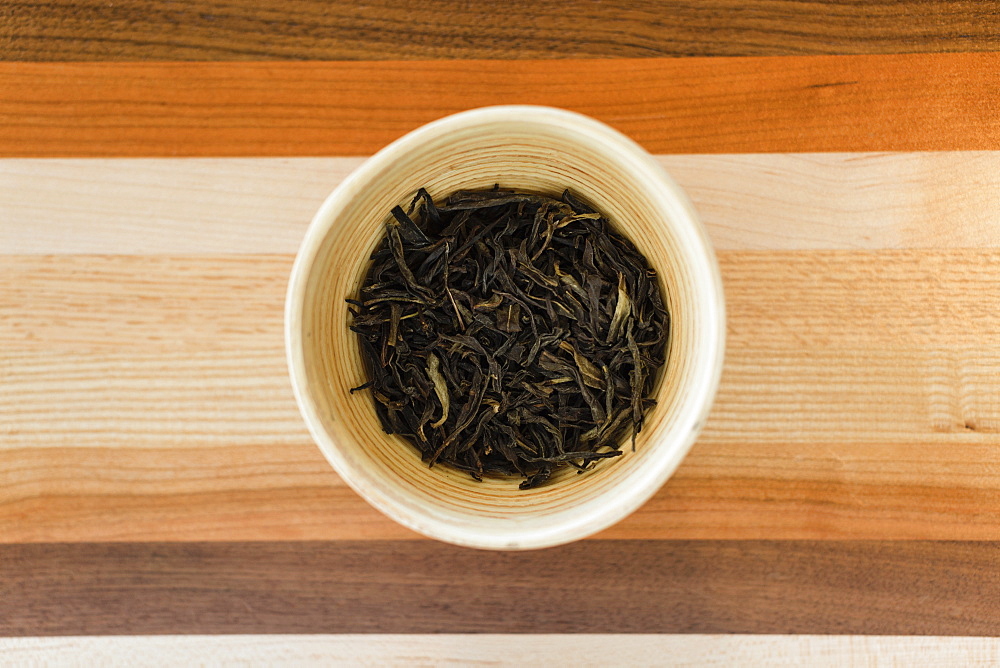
x,y
189,305
633,586
340,29
858,401
162,205
690,105
585,649
263,205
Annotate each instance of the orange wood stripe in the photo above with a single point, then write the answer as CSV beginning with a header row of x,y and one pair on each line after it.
x,y
289,492
694,105
239,491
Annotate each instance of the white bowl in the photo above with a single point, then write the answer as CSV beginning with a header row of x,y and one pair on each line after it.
x,y
537,149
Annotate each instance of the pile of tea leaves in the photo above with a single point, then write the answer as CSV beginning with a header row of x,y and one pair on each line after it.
x,y
510,334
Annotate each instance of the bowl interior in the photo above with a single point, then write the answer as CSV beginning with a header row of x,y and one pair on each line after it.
x,y
540,151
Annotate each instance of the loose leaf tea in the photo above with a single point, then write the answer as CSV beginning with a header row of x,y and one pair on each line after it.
x,y
509,333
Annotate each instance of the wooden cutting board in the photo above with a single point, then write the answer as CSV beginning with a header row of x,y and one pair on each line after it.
x,y
158,168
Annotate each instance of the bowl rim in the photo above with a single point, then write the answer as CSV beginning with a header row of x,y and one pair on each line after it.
x,y
666,194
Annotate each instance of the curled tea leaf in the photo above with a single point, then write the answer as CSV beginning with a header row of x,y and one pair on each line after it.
x,y
591,375
623,310
440,388
489,304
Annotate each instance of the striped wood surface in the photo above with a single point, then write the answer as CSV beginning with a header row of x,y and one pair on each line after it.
x,y
154,474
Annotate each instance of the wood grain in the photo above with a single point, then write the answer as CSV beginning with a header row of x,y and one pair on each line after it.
x,y
495,649
181,494
262,205
692,105
824,587
125,303
395,29
858,401
144,400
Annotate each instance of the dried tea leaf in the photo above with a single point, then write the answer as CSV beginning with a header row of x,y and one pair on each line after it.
x,y
509,318
623,309
395,314
489,304
592,376
440,388
525,320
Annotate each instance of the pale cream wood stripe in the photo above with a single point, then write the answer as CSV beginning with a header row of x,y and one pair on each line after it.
x,y
504,650
153,205
859,400
262,205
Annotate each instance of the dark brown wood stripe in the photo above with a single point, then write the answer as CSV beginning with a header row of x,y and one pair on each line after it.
x,y
794,587
399,29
